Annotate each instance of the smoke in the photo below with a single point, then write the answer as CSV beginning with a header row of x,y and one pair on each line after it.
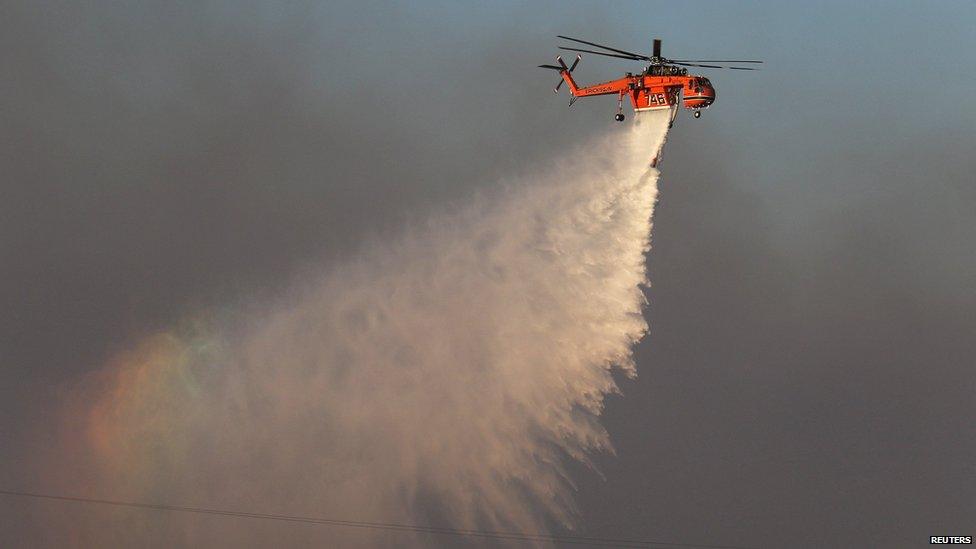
x,y
447,377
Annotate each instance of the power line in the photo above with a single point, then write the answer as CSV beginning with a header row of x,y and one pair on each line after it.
x,y
488,534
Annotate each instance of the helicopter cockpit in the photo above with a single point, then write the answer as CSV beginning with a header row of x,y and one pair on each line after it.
x,y
698,83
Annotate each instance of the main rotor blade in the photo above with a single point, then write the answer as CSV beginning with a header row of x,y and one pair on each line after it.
x,y
713,61
714,66
632,54
632,58
697,65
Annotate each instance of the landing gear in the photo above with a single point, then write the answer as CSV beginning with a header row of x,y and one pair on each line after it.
x,y
619,117
697,114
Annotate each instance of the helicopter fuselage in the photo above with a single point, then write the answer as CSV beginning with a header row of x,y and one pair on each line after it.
x,y
648,91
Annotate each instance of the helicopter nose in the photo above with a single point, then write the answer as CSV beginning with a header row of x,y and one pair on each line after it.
x,y
709,93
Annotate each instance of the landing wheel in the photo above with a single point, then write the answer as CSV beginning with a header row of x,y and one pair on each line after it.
x,y
697,114
619,117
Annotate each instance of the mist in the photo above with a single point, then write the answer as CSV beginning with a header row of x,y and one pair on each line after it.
x,y
444,376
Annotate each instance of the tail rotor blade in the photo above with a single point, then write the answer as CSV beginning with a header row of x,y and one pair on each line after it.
x,y
559,59
578,57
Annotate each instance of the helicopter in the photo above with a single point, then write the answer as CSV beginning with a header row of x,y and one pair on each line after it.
x,y
658,86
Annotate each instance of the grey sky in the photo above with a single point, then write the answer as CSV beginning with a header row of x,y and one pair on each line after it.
x,y
809,371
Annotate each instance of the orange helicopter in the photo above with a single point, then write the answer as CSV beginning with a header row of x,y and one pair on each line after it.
x,y
657,87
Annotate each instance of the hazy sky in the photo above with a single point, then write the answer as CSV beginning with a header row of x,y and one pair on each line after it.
x,y
809,374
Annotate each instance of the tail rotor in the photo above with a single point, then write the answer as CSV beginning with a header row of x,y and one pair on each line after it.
x,y
562,67
570,70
